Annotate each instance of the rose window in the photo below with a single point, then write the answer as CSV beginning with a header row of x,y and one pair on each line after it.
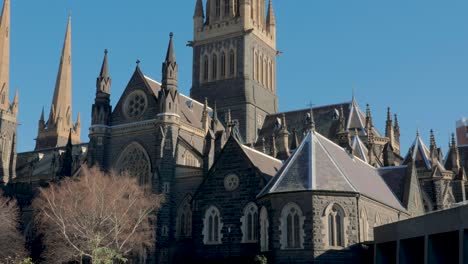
x,y
135,104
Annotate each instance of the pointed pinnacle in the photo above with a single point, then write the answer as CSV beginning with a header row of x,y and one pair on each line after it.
x,y
105,67
42,115
199,9
389,114
271,20
16,98
454,142
170,56
78,118
215,112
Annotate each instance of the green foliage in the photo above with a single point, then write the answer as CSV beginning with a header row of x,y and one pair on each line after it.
x,y
260,259
103,255
16,260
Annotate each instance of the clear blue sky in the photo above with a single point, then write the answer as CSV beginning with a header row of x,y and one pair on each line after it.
x,y
410,55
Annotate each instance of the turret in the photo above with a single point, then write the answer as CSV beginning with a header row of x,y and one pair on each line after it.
x,y
270,19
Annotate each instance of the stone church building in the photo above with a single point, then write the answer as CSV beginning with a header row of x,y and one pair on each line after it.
x,y
241,179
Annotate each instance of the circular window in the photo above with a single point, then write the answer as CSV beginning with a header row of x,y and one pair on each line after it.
x,y
135,104
231,182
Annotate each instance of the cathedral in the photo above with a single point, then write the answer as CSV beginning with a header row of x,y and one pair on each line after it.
x,y
241,179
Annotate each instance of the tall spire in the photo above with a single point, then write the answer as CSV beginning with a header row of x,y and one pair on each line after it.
x,y
62,100
60,123
5,56
433,145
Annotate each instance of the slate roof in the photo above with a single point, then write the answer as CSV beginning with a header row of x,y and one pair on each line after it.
x,y
190,110
46,162
265,163
326,122
395,177
320,164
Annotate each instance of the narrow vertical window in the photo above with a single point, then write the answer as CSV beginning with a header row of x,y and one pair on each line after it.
x,y
249,223
214,70
255,70
205,68
226,8
232,63
292,221
212,226
335,216
252,10
264,225
223,65
218,8
235,8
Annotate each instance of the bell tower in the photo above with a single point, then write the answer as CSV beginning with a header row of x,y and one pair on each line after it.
x,y
234,60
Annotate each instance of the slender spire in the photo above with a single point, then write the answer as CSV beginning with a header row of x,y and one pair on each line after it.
x,y
270,19
342,127
311,120
62,100
369,122
42,115
215,112
199,9
103,83
389,132
15,104
170,69
5,56
170,56
433,145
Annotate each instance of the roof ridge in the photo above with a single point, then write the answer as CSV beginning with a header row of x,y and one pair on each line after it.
x,y
261,153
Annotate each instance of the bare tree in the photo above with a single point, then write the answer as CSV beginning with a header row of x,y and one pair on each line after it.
x,y
97,216
12,242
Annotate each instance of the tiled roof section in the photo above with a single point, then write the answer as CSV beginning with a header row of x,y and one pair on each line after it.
x,y
266,164
190,110
395,177
320,164
46,162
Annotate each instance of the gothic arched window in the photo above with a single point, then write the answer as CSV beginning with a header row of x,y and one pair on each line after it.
x,y
205,68
264,225
135,161
223,64
184,219
218,8
249,223
212,226
334,216
292,227
214,70
232,63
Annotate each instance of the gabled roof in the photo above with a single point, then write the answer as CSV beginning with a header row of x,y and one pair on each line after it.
x,y
422,155
359,149
320,164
